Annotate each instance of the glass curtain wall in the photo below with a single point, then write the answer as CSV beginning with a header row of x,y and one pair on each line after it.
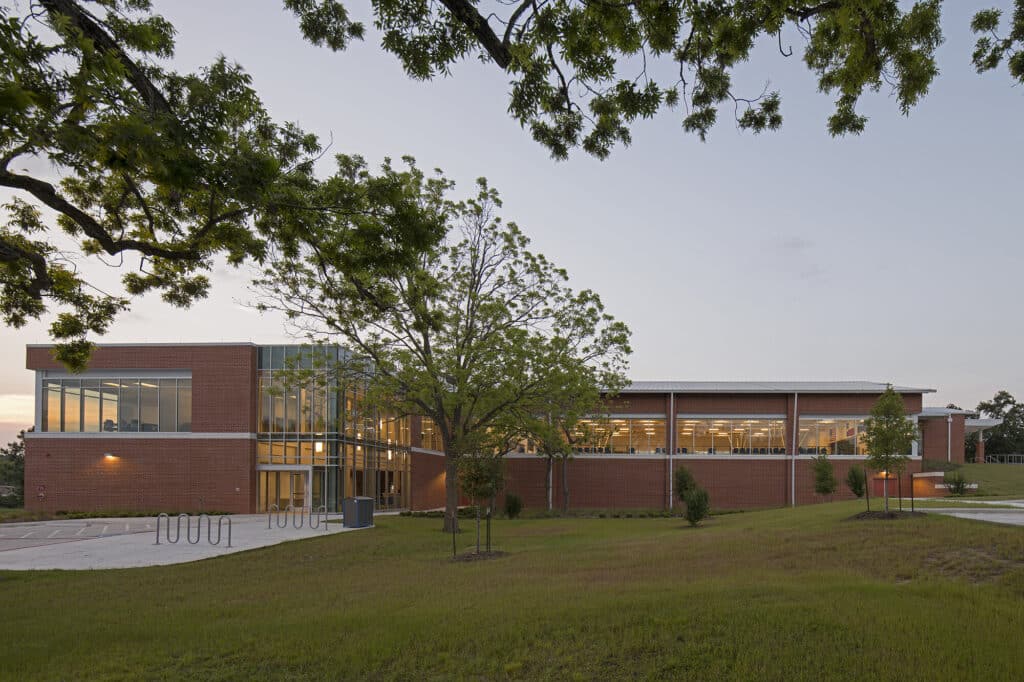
x,y
325,432
730,435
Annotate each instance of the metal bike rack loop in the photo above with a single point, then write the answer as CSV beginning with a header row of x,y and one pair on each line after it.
x,y
199,529
300,516
321,509
220,525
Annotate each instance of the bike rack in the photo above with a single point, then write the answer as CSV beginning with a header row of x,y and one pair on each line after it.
x,y
321,508
188,529
301,516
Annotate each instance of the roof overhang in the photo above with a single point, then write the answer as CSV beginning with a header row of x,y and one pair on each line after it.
x,y
975,425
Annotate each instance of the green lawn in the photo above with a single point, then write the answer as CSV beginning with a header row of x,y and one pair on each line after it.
x,y
789,594
1002,480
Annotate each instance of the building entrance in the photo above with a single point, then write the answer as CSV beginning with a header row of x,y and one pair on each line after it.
x,y
284,489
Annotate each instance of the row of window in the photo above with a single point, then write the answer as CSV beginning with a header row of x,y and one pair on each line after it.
x,y
326,453
116,405
717,435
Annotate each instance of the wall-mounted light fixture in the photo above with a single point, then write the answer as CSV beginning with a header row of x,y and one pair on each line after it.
x,y
109,457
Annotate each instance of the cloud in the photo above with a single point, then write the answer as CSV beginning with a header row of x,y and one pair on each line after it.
x,y
798,254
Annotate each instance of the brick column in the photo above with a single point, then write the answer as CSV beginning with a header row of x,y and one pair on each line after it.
x,y
979,451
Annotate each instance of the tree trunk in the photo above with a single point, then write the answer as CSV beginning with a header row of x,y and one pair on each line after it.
x,y
565,484
490,512
478,529
885,491
451,494
548,482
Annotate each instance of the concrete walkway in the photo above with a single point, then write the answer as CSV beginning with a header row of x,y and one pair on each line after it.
x,y
130,543
1012,517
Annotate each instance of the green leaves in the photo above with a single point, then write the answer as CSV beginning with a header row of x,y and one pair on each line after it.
x,y
169,169
889,434
583,72
991,48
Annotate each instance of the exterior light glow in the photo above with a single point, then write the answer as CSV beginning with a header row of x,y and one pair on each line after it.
x,y
109,457
318,447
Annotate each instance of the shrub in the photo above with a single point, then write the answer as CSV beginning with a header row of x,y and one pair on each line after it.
x,y
684,482
513,505
698,504
824,476
856,481
956,484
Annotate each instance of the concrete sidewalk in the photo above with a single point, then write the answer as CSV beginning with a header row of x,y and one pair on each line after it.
x,y
1011,517
131,543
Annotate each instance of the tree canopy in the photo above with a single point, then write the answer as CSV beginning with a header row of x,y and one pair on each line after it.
x,y
889,435
1008,437
467,335
583,71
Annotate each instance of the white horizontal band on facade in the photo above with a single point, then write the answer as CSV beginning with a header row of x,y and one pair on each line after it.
x,y
143,435
117,374
623,415
286,467
424,451
687,458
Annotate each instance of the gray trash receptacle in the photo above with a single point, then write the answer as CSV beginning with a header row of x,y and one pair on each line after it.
x,y
357,512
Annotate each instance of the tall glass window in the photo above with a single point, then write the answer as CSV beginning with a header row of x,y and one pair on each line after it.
x,y
51,406
72,405
168,404
109,392
91,405
149,405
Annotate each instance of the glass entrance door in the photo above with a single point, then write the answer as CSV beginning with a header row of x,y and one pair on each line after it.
x,y
283,489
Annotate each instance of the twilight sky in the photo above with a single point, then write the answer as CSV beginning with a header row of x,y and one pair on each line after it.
x,y
892,256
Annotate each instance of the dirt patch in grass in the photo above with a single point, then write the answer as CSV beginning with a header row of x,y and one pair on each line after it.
x,y
886,516
480,556
971,564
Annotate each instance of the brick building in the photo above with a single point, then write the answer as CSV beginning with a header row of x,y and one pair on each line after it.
x,y
186,427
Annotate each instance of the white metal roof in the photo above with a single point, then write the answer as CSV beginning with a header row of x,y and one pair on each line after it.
x,y
974,425
766,387
943,411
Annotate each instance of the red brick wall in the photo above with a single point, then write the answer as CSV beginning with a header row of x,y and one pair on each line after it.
x,y
935,433
147,475
426,476
641,483
737,403
849,404
224,391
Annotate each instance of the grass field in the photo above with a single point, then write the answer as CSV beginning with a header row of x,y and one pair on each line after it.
x,y
791,594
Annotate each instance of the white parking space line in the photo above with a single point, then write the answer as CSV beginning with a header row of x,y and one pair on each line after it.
x,y
81,530
54,533
27,535
104,531
127,527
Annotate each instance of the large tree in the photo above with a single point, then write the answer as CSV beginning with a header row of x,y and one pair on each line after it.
x,y
1008,437
466,336
889,435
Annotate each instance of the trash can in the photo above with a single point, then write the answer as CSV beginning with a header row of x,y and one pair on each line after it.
x,y
357,512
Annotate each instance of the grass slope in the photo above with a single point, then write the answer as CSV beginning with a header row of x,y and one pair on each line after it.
x,y
789,594
1004,480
